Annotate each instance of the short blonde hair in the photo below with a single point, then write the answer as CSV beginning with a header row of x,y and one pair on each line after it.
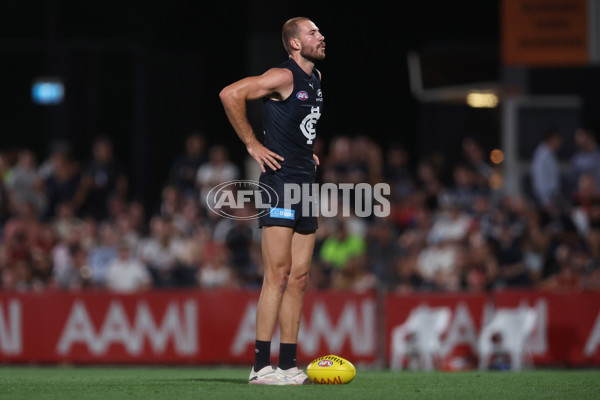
x,y
290,30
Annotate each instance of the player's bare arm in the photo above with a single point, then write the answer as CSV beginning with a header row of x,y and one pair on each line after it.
x,y
277,84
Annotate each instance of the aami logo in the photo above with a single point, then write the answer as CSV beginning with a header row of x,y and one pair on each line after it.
x,y
325,363
302,95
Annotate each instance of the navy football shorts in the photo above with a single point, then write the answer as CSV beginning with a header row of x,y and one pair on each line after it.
x,y
291,216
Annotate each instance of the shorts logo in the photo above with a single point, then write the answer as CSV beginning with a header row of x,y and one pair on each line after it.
x,y
302,95
282,213
325,363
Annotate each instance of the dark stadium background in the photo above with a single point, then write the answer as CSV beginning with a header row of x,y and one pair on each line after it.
x,y
147,74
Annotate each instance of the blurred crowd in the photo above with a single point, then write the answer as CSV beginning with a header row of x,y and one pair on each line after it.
x,y
72,225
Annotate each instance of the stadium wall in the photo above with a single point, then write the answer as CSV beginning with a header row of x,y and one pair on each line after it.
x,y
204,327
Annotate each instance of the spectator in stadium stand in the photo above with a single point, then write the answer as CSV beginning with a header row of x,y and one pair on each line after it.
x,y
587,157
535,245
475,158
340,247
513,211
412,241
450,222
46,166
100,256
137,215
429,182
21,232
4,204
483,214
189,220
545,173
24,183
218,169
65,273
562,272
25,250
63,183
319,277
405,278
512,270
414,237
216,270
65,220
103,176
159,251
481,268
396,172
170,203
345,261
190,256
437,265
125,225
243,242
90,236
464,188
383,249
337,164
18,277
126,273
355,276
40,257
437,262
583,201
367,160
182,174
80,276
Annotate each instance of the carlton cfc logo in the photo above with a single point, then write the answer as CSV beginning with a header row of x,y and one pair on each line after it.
x,y
308,124
302,95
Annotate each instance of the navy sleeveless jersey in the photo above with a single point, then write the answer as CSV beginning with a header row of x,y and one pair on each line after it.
x,y
290,125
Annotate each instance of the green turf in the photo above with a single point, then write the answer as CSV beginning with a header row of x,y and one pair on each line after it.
x,y
109,383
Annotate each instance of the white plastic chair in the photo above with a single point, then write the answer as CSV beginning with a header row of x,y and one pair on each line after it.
x,y
419,337
515,327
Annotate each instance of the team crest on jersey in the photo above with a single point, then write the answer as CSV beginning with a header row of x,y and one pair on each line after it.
x,y
302,95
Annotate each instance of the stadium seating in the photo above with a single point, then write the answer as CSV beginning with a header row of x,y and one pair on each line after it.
x,y
419,338
507,335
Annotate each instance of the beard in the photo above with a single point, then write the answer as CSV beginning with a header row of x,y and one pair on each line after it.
x,y
313,55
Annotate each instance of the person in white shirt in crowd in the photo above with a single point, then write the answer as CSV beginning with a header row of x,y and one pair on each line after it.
x,y
159,251
217,170
126,273
24,182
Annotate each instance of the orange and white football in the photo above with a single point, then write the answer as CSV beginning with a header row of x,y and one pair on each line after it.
x,y
331,370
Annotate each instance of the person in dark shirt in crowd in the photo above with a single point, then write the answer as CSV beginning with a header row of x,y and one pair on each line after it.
x,y
185,167
103,177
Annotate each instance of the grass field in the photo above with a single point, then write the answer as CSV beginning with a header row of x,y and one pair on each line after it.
x,y
109,383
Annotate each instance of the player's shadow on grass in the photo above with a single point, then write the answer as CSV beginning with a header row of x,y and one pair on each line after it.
x,y
214,380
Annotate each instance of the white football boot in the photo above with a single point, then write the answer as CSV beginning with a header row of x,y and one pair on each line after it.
x,y
295,375
268,376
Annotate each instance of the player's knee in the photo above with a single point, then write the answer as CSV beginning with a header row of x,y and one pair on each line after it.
x,y
300,282
283,281
279,278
